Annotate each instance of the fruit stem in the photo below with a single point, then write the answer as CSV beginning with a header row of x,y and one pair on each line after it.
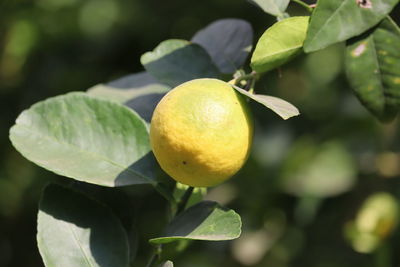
x,y
306,6
184,200
251,76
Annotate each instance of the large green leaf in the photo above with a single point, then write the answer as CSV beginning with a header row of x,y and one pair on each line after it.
x,y
228,41
206,220
85,138
338,20
373,69
176,61
273,7
279,44
139,91
74,230
281,107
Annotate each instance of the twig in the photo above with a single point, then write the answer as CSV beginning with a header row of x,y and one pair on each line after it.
x,y
308,7
184,200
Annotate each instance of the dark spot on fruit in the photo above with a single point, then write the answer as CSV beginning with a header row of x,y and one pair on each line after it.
x,y
184,162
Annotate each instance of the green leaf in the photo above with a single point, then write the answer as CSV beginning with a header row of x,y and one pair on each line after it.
x,y
206,220
280,43
273,7
373,69
139,91
338,20
313,170
87,139
281,107
74,230
176,61
126,88
228,41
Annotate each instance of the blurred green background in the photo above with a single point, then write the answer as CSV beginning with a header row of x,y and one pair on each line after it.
x,y
305,184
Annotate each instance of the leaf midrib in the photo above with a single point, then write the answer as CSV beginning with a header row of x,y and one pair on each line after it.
x,y
85,152
79,244
328,20
376,58
280,52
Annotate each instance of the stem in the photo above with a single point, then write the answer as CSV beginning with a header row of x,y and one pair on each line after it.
x,y
184,200
180,207
251,76
306,6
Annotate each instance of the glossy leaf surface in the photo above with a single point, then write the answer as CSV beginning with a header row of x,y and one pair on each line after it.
x,y
279,44
338,20
87,139
204,221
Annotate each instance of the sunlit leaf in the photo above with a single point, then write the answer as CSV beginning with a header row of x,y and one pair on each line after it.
x,y
87,139
279,44
176,61
204,221
74,230
281,107
338,20
373,69
273,7
228,41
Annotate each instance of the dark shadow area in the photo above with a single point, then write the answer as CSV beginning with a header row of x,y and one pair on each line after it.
x,y
183,64
145,105
144,167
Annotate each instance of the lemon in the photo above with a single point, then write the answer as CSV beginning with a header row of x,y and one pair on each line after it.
x,y
201,132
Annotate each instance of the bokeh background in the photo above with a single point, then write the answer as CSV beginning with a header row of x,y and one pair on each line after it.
x,y
307,178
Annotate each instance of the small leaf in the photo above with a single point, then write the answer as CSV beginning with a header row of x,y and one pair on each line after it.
x,y
139,91
338,20
204,221
281,107
176,61
280,43
87,139
74,230
273,7
228,41
373,69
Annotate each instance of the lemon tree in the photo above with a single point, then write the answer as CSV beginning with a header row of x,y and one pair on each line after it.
x,y
185,122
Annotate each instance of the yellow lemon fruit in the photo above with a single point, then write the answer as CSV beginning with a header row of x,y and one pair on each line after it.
x,y
201,132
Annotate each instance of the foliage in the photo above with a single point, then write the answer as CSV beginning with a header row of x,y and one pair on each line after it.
x,y
291,187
